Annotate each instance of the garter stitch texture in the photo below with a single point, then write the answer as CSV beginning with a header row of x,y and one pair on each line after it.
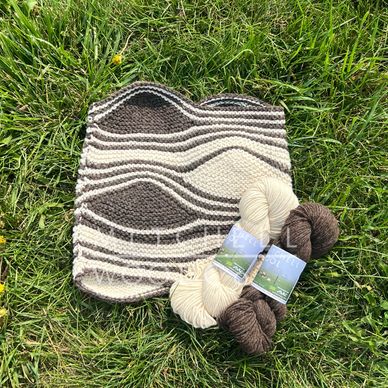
x,y
159,184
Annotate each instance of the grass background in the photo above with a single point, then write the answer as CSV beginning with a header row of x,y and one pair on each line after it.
x,y
323,61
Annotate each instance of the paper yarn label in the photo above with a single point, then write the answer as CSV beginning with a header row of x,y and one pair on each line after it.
x,y
238,253
278,274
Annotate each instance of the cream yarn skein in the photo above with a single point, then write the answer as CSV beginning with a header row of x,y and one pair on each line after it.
x,y
190,289
264,208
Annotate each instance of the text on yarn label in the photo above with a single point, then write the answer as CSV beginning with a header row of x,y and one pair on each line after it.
x,y
278,274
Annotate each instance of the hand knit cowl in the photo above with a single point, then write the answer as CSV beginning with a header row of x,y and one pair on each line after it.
x,y
159,184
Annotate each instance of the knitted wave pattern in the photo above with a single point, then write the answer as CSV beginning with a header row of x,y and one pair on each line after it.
x,y
159,183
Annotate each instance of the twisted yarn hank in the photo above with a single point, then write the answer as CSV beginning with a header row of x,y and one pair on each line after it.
x,y
263,209
311,230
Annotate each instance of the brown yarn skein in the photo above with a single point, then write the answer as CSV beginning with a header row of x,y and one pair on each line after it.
x,y
309,231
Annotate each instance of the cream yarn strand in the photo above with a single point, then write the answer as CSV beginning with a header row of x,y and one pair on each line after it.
x,y
208,291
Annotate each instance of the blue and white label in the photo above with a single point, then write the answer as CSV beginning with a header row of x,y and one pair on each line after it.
x,y
278,274
239,253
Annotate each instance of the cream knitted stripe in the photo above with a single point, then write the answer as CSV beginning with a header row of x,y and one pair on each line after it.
x,y
205,175
192,154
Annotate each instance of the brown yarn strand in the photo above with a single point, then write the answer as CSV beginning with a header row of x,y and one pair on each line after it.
x,y
310,230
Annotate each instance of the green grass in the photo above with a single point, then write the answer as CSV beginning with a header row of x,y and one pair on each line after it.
x,y
321,60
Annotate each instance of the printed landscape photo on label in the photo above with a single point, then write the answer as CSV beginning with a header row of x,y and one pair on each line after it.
x,y
238,253
278,274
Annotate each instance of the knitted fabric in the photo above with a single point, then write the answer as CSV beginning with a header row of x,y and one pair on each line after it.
x,y
159,184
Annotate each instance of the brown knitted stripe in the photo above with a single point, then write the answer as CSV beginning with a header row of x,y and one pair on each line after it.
x,y
183,147
181,193
124,169
144,113
157,238
204,104
231,98
145,87
133,256
248,128
163,211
